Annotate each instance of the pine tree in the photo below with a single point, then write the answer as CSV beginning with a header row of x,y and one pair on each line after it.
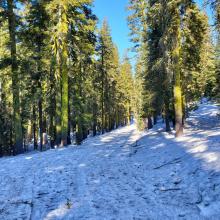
x,y
59,12
137,22
216,6
105,49
196,54
35,38
159,60
73,19
125,88
5,96
8,12
175,33
172,37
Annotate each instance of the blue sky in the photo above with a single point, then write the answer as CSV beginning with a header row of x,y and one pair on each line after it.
x,y
116,14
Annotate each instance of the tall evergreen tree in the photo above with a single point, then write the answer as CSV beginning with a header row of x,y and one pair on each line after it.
x,y
59,14
8,11
216,6
105,49
35,38
174,37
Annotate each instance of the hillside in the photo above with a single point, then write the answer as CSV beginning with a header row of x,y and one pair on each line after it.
x,y
120,175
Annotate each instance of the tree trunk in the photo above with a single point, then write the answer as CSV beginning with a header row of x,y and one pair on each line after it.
x,y
34,127
117,117
94,124
51,131
94,127
145,121
178,107
17,126
184,109
167,116
29,132
128,115
79,131
103,94
62,100
64,107
69,122
177,90
40,123
155,119
52,112
150,124
58,114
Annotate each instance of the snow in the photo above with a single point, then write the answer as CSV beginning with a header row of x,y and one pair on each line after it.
x,y
125,174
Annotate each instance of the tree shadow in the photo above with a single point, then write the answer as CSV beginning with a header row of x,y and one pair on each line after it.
x,y
169,178
122,176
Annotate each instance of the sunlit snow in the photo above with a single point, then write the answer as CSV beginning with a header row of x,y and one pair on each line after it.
x,y
124,174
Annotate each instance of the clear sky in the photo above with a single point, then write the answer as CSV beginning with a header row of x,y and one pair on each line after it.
x,y
116,14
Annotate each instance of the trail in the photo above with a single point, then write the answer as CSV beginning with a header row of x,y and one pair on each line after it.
x,y
125,174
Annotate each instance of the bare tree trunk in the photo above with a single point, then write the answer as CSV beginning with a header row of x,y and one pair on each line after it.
x,y
155,119
150,123
34,127
167,116
94,125
58,114
40,123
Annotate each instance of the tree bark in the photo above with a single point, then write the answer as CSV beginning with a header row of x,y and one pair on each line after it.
x,y
167,116
40,123
64,107
34,127
177,90
178,106
155,119
94,125
58,114
150,124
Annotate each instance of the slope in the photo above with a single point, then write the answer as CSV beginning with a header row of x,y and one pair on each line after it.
x,y
124,174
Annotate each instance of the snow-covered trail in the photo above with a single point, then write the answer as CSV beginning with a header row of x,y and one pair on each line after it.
x,y
123,175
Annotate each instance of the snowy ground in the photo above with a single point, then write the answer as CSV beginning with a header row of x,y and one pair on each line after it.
x,y
123,175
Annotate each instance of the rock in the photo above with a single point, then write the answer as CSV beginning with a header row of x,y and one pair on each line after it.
x,y
177,181
172,174
207,201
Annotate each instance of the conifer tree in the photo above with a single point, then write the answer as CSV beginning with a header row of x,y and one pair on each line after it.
x,y
73,44
125,86
60,16
216,6
196,54
8,11
174,37
35,38
105,49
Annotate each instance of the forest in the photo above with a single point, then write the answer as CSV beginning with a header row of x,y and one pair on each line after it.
x,y
109,109
62,79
